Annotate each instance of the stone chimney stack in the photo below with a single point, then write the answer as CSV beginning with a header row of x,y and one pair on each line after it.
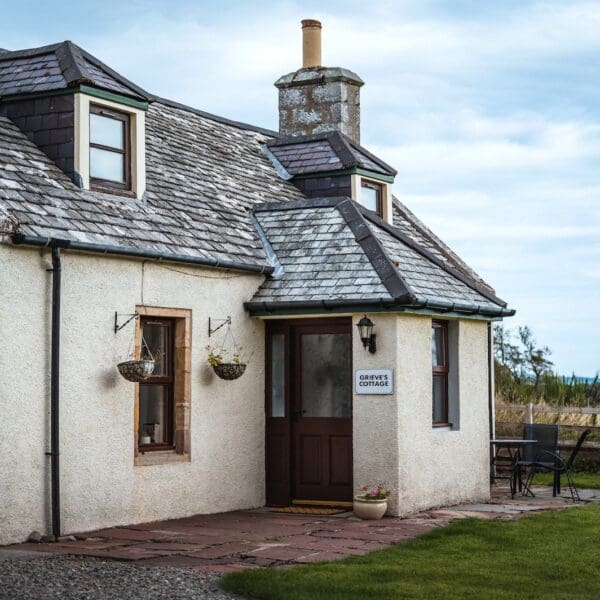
x,y
316,99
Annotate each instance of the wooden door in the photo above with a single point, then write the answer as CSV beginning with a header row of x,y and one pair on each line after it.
x,y
309,410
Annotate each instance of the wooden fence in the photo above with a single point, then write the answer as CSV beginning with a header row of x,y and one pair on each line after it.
x,y
571,419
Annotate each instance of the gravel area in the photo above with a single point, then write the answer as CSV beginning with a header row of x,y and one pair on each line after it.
x,y
71,578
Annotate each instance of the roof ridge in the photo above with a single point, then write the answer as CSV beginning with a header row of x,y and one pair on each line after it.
x,y
213,117
438,242
390,276
401,236
368,154
341,147
117,76
29,52
71,64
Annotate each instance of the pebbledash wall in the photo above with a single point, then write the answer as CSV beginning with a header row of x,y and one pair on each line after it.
x,y
393,438
100,486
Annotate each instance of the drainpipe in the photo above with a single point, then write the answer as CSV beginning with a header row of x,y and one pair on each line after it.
x,y
55,392
490,353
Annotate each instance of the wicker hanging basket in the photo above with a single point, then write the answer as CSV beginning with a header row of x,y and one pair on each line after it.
x,y
229,371
136,370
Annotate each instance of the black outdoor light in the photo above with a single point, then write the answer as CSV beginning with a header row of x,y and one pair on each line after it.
x,y
367,337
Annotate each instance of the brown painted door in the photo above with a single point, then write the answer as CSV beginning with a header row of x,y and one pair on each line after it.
x,y
309,410
322,413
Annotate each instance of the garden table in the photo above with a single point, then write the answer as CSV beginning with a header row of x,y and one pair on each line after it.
x,y
513,448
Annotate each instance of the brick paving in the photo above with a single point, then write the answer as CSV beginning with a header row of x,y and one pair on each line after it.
x,y
262,538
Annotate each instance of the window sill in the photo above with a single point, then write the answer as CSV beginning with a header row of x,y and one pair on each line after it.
x,y
160,457
125,193
442,427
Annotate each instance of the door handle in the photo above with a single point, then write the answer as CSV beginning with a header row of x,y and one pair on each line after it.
x,y
296,414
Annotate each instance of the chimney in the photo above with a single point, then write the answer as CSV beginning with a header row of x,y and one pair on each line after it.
x,y
311,43
316,99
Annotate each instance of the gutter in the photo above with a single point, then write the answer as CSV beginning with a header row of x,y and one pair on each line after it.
x,y
282,307
208,261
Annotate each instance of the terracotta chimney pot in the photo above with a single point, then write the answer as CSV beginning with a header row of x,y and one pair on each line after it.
x,y
311,43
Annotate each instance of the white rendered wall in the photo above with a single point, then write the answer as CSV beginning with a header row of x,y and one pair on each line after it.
x,y
394,441
100,486
439,467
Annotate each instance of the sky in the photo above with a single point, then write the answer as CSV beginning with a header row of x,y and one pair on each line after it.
x,y
490,112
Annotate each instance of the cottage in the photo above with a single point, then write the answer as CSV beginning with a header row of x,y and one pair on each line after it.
x,y
136,227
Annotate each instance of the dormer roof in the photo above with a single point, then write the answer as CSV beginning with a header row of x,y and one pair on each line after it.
x,y
325,153
60,67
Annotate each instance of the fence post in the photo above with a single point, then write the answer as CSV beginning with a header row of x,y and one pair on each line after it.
x,y
530,412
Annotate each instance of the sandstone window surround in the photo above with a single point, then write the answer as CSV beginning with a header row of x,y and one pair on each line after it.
x,y
180,450
134,146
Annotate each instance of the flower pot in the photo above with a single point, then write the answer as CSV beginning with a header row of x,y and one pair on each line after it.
x,y
229,371
136,370
369,509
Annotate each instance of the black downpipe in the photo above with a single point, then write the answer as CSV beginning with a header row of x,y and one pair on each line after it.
x,y
490,354
55,392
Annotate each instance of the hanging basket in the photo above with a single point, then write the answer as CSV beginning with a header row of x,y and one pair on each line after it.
x,y
136,370
229,371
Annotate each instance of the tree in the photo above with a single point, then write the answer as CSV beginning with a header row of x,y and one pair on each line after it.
x,y
507,354
536,360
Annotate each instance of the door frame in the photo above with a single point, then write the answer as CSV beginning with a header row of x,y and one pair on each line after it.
x,y
279,441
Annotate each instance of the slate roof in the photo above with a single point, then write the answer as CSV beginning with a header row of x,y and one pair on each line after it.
x,y
324,152
409,224
215,196
57,67
319,255
335,253
202,176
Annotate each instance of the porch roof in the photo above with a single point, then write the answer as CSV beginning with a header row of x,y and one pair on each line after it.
x,y
334,254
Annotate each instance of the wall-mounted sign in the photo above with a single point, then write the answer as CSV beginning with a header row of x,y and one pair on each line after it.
x,y
374,381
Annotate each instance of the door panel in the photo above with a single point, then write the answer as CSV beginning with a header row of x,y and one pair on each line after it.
x,y
309,410
322,409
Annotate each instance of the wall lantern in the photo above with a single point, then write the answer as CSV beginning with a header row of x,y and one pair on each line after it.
x,y
367,337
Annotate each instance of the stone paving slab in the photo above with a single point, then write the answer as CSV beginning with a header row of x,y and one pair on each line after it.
x,y
260,538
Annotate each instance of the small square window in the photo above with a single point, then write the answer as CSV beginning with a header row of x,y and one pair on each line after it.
x,y
371,196
110,155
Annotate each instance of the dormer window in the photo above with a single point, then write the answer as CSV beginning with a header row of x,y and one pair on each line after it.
x,y
371,196
110,146
110,162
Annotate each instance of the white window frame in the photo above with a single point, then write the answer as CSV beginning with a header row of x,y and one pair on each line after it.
x,y
137,119
356,184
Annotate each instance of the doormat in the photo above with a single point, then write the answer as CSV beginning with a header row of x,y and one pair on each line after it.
x,y
310,510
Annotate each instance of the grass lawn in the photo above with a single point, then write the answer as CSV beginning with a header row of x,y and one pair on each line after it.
x,y
554,554
582,480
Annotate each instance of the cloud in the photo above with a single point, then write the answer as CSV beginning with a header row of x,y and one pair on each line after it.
x,y
489,111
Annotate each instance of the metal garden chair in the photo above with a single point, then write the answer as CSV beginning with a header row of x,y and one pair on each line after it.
x,y
559,466
538,453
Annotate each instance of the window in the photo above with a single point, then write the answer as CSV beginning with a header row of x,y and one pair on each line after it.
x,y
109,149
439,362
163,401
155,427
371,196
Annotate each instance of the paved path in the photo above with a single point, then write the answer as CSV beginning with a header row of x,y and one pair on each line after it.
x,y
262,538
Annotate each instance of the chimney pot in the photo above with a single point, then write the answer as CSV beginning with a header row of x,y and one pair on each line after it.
x,y
311,43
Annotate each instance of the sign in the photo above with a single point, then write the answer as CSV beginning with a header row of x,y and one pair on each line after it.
x,y
374,381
